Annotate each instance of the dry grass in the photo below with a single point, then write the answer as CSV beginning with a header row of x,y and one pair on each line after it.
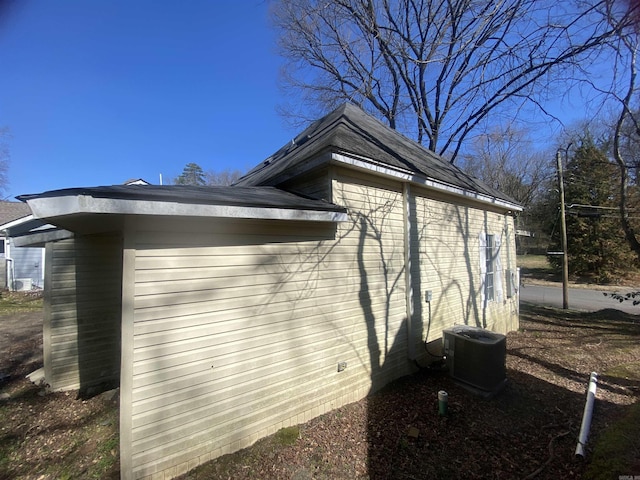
x,y
531,262
17,302
535,269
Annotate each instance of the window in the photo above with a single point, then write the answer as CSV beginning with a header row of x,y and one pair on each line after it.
x,y
490,268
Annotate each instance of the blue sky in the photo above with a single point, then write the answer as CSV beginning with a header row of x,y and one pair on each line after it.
x,y
98,92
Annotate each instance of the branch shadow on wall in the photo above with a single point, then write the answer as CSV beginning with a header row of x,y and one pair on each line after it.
x,y
388,352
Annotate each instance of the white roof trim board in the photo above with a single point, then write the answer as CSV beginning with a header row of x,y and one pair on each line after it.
x,y
409,176
18,221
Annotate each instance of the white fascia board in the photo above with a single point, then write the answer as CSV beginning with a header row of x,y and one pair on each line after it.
x,y
51,207
18,221
408,176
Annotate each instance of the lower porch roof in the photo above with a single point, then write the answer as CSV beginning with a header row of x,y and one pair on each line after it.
x,y
100,209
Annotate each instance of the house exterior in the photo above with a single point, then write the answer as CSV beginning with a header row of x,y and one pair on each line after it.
x,y
20,268
227,313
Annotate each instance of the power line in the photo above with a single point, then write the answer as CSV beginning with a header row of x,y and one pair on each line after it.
x,y
596,207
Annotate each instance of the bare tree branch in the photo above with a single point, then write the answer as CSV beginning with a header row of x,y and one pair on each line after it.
x,y
436,69
632,45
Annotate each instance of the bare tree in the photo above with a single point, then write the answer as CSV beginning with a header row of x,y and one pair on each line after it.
x,y
623,90
436,69
506,159
627,115
223,177
193,174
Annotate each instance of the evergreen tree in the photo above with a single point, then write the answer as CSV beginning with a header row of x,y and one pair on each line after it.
x,y
595,240
191,175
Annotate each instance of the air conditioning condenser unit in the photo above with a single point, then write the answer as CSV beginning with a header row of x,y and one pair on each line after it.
x,y
22,284
476,357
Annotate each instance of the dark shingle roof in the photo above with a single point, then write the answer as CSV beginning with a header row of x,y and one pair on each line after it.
x,y
350,130
266,197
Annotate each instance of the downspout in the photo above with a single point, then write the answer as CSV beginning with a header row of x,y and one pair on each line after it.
x,y
406,193
43,259
10,274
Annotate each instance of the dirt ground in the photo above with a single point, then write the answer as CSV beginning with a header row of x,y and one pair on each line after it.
x,y
528,430
20,343
45,435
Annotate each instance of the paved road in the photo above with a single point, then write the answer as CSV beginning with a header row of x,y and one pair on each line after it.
x,y
579,299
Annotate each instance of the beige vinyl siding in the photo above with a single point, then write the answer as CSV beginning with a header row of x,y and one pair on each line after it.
x,y
239,327
372,246
315,184
82,312
445,260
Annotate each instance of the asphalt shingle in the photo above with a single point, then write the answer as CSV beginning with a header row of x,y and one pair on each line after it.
x,y
350,130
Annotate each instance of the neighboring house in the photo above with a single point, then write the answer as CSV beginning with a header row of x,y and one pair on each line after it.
x,y
23,267
226,313
20,268
136,181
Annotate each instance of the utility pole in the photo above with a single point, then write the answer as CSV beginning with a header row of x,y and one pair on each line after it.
x,y
563,223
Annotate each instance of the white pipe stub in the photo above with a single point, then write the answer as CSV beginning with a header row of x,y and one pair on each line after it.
x,y
586,416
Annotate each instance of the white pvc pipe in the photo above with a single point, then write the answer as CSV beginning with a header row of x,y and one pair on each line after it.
x,y
586,416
